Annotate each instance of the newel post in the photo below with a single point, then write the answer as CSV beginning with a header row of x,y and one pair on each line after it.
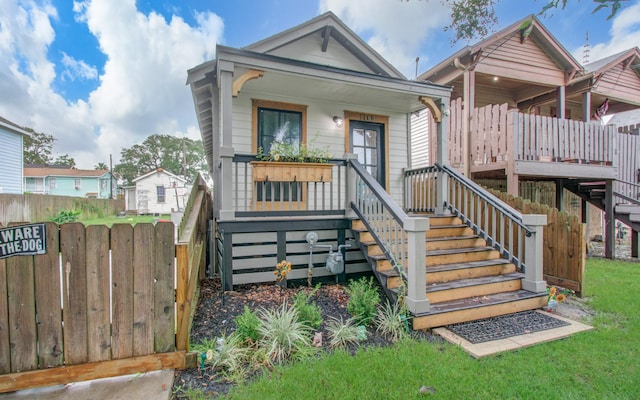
x,y
416,296
350,189
533,274
226,208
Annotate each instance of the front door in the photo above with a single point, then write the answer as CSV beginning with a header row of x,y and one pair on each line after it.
x,y
367,142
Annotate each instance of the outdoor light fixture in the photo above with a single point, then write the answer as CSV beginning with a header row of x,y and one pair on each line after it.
x,y
338,121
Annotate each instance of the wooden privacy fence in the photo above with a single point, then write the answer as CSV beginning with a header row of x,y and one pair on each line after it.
x,y
55,308
102,301
42,207
564,243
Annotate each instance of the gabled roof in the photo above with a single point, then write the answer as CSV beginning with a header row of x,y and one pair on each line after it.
x,y
160,171
537,32
58,172
5,123
630,56
330,27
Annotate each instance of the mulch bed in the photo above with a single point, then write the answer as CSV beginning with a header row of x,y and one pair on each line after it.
x,y
216,311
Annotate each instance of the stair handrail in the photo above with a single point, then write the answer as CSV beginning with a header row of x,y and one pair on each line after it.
x,y
486,196
399,236
624,196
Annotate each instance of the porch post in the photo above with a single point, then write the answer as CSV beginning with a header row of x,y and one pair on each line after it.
x,y
560,194
635,241
586,106
560,102
533,274
350,186
225,82
442,186
416,297
469,107
609,221
513,149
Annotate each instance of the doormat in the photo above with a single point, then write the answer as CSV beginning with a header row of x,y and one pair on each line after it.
x,y
504,326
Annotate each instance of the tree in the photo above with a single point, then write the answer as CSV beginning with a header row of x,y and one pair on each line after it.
x,y
180,156
100,166
65,159
37,148
471,19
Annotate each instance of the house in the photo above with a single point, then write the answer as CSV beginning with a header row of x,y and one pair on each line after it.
x,y
66,181
11,154
320,85
524,110
157,192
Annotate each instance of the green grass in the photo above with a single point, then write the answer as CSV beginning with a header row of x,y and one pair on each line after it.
x,y
129,219
599,364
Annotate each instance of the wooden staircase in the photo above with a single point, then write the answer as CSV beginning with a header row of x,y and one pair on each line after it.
x,y
466,279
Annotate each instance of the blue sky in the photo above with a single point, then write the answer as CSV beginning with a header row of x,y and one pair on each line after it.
x,y
101,75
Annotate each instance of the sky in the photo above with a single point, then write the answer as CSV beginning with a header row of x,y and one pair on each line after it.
x,y
102,75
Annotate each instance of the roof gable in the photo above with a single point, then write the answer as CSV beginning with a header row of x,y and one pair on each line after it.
x,y
159,171
326,40
517,43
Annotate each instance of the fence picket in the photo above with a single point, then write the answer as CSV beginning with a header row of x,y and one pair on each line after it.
x,y
122,290
22,314
5,353
98,277
74,278
143,262
164,293
48,305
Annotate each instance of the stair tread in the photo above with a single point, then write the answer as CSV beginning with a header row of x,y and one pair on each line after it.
x,y
459,283
480,301
459,250
470,264
446,238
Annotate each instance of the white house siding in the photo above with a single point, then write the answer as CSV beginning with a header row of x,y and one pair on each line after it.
x,y
322,130
11,156
308,49
419,147
146,192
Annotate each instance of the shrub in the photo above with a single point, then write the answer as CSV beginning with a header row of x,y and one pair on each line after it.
x,y
308,313
66,216
390,321
342,333
248,326
363,300
224,354
282,334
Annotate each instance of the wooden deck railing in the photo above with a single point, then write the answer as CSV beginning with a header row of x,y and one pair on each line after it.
x,y
518,238
269,197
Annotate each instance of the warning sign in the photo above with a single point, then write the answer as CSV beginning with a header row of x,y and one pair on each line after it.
x,y
23,240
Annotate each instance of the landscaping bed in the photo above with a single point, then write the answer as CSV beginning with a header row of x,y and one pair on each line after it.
x,y
216,311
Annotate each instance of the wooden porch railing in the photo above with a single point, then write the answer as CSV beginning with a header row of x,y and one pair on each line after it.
x,y
517,237
400,237
270,197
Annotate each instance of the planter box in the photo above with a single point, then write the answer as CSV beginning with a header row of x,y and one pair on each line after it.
x,y
271,171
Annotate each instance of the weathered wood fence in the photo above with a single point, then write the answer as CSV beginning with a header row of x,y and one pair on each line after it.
x,y
564,239
42,207
102,301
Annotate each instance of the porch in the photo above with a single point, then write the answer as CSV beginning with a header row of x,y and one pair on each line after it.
x,y
450,251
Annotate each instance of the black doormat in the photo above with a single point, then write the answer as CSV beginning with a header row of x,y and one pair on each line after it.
x,y
504,326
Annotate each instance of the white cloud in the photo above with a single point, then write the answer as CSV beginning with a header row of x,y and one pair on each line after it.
x,y
77,68
142,87
398,30
624,34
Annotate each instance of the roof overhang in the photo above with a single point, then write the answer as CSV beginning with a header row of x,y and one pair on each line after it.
x,y
302,80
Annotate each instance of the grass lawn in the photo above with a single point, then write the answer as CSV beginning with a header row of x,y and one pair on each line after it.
x,y
603,363
129,219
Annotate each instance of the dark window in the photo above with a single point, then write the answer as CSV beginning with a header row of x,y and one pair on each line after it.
x,y
279,126
160,194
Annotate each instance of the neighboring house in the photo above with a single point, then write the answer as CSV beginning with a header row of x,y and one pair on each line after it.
x,y
320,84
69,182
523,109
11,154
157,192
